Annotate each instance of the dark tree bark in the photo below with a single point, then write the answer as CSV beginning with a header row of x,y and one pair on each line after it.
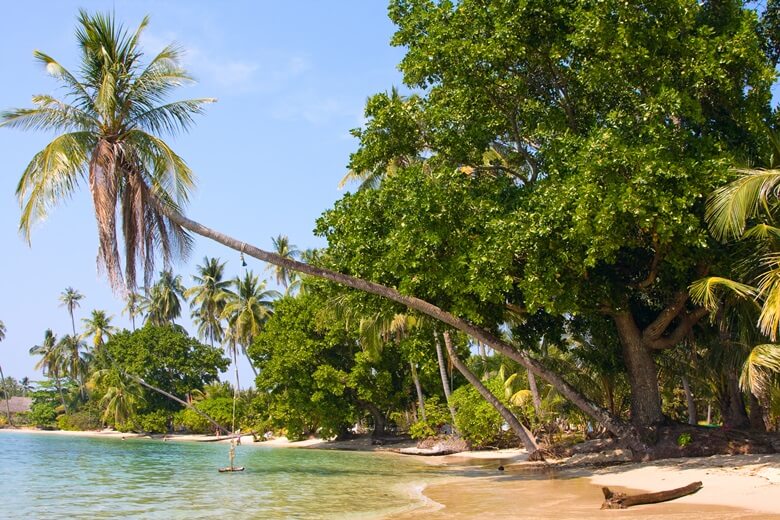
x,y
758,414
732,404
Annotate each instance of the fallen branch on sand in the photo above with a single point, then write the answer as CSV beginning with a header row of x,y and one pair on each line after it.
x,y
622,501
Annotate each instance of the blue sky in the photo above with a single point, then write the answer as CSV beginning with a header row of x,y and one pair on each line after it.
x,y
291,79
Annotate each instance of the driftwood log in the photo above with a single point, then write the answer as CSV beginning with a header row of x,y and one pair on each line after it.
x,y
614,500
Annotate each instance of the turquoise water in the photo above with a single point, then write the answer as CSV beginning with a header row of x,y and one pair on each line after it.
x,y
47,476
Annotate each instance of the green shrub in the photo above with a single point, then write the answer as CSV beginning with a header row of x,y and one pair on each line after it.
x,y
81,420
684,439
154,422
220,409
436,416
477,421
43,415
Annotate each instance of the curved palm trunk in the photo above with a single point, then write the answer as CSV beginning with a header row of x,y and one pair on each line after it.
x,y
7,398
418,388
522,432
615,425
535,394
444,381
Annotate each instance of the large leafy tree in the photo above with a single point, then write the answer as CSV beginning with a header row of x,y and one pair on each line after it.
x,y
613,122
109,126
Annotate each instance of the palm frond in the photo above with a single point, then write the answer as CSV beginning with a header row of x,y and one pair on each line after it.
x,y
729,208
705,292
761,363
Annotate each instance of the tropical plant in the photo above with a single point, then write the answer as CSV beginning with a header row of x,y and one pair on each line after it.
x,y
134,303
247,310
98,325
122,396
109,125
2,378
208,298
70,298
73,361
51,361
163,305
283,248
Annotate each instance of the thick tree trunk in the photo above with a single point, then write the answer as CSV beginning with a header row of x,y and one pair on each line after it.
x,y
732,404
7,398
418,389
592,410
525,436
534,394
757,413
380,423
692,418
642,374
444,380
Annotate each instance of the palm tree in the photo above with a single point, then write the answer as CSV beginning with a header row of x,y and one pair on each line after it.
x,y
109,134
51,362
99,327
109,124
69,299
283,248
2,378
26,385
133,306
163,305
121,395
247,310
73,363
208,298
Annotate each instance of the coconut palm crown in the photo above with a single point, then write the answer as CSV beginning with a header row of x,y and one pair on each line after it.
x,y
108,125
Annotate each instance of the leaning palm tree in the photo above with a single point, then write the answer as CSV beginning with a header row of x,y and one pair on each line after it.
x,y
247,310
2,378
208,297
283,248
98,325
121,395
51,362
109,128
109,124
70,298
163,305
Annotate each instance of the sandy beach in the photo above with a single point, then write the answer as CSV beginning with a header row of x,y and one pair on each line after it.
x,y
735,487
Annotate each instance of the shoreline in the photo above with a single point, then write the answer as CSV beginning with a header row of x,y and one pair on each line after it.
x,y
735,486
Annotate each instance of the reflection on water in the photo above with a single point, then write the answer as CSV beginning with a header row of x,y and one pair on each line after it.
x,y
44,476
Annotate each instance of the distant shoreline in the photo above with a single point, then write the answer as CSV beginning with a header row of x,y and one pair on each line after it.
x,y
747,486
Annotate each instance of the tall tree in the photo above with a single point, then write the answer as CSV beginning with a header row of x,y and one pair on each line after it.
x,y
71,353
134,302
208,297
2,378
163,305
247,310
283,247
70,298
109,128
52,360
99,327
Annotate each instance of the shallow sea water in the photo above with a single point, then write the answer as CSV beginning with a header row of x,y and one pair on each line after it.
x,y
46,476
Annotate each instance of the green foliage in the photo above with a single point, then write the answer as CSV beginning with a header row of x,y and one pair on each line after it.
x,y
165,357
477,421
219,408
81,420
684,439
436,416
156,421
43,415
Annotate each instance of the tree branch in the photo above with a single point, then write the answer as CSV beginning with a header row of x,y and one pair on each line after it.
x,y
680,331
656,329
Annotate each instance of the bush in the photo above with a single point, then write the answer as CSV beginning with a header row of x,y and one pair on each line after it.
x,y
436,416
220,409
154,422
478,422
79,421
43,415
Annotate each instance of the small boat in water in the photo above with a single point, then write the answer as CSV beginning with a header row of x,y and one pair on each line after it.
x,y
230,469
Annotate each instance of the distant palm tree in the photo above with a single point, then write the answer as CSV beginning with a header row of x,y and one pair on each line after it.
x,y
2,378
74,365
247,310
133,306
69,299
51,362
285,249
163,305
121,395
98,325
109,127
26,385
208,299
